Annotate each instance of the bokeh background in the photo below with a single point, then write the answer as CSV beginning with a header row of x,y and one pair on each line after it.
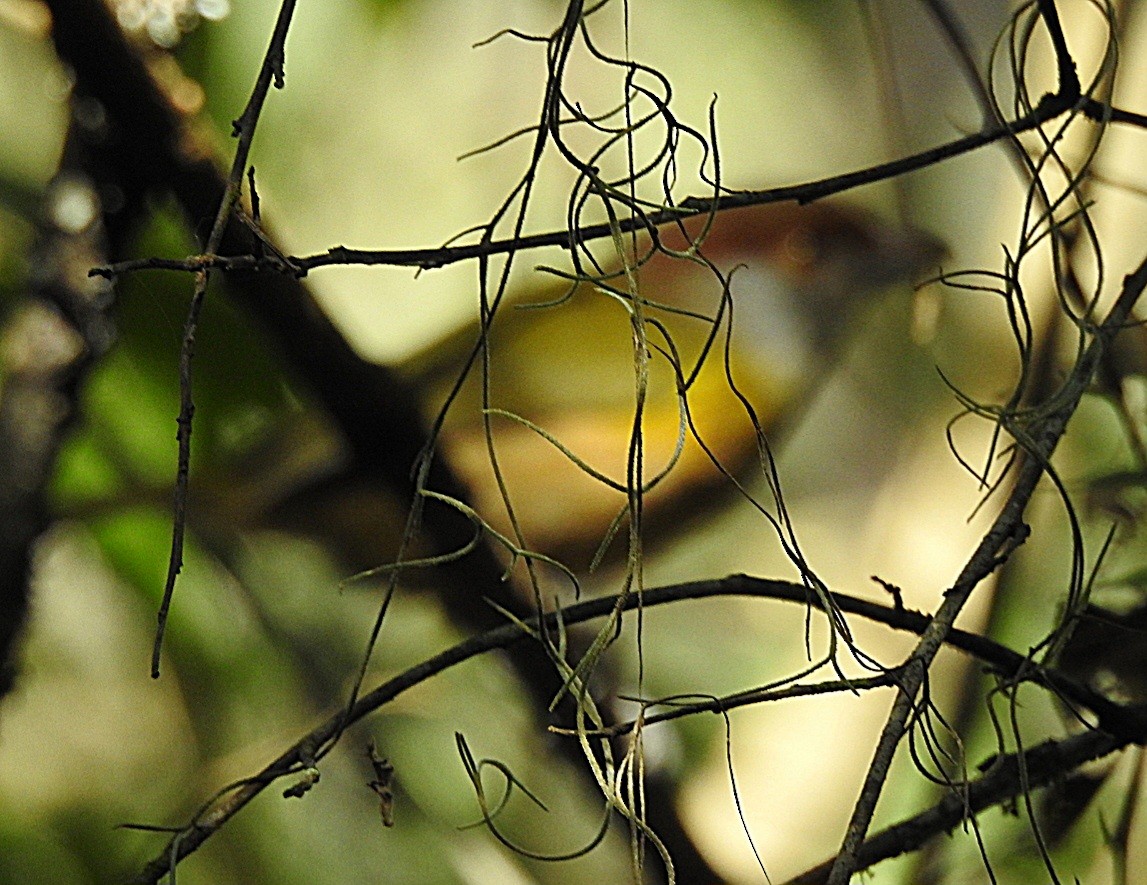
x,y
361,149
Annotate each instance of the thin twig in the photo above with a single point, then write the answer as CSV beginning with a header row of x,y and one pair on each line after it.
x,y
806,192
270,72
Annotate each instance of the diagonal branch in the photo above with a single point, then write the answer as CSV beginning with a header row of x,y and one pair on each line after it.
x,y
1009,529
376,411
1005,779
1005,534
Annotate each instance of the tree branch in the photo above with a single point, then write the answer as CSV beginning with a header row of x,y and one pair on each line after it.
x,y
1007,776
1129,723
271,71
806,192
1006,532
377,412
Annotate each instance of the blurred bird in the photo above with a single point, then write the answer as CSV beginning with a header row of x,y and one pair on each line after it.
x,y
563,367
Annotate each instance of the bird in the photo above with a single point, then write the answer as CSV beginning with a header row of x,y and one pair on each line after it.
x,y
720,332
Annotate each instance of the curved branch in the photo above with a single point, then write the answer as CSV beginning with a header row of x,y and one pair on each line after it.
x,y
1122,725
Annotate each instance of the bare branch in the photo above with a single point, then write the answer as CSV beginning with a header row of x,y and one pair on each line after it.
x,y
1129,723
1006,532
690,207
271,71
1002,782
